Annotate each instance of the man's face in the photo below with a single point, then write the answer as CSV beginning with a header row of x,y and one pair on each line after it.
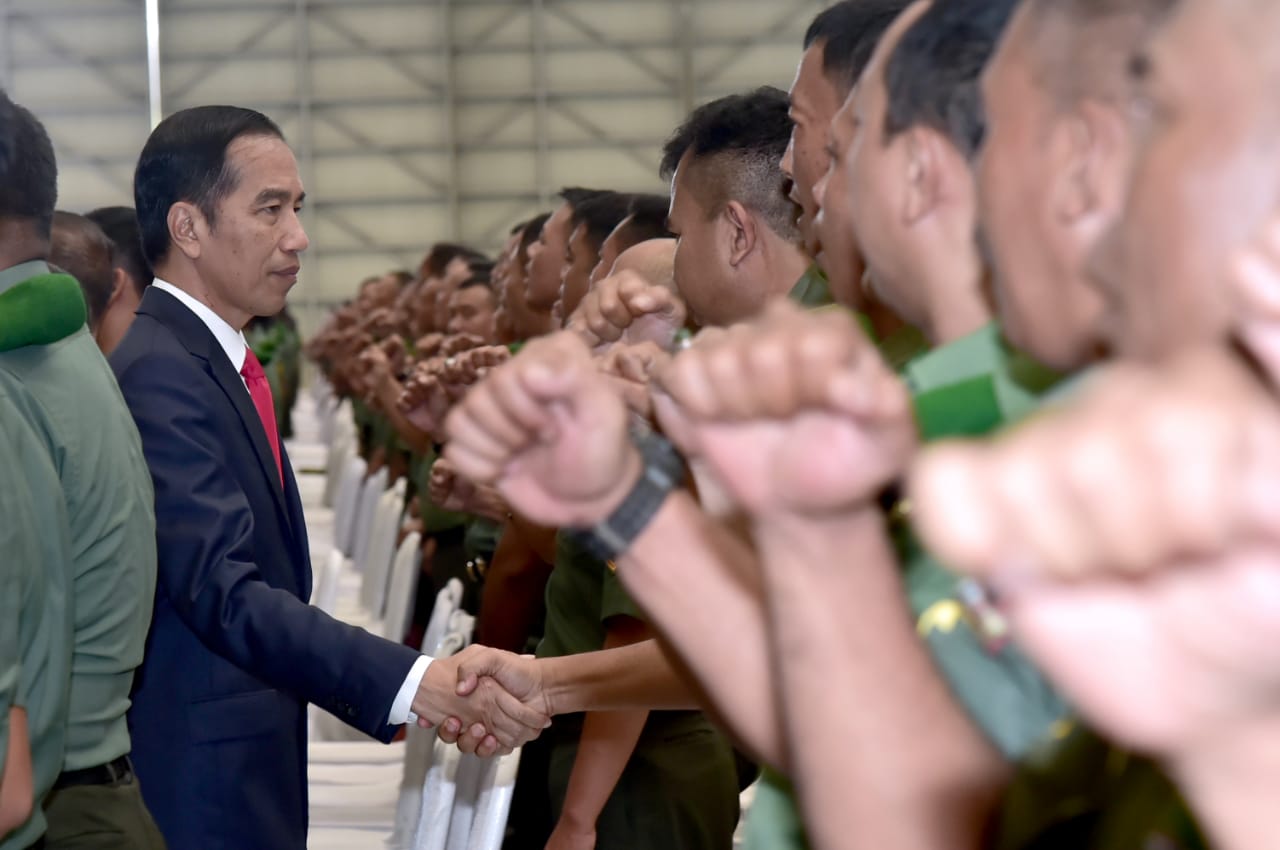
x,y
814,102
546,258
609,251
455,273
1206,174
428,298
1029,171
250,256
501,280
575,277
878,184
839,256
382,292
471,312
704,276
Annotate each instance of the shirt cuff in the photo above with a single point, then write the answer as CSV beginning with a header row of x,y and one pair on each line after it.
x,y
401,709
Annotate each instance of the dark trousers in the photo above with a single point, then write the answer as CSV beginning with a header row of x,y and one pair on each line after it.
x,y
679,791
111,816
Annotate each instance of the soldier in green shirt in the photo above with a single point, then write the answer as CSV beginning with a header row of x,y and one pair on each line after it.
x,y
37,549
52,373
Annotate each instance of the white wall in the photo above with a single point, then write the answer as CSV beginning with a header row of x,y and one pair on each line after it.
x,y
414,120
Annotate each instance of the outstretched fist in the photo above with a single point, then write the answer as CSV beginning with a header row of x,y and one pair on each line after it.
x,y
795,413
627,308
1135,540
550,433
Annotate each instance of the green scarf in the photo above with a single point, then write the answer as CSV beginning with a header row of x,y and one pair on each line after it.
x,y
41,310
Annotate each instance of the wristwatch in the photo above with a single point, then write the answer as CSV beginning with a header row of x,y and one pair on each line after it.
x,y
663,472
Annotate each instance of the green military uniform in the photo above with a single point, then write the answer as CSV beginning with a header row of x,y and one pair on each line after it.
x,y
812,290
968,387
53,374
363,418
679,788
36,544
17,579
1072,789
36,650
971,387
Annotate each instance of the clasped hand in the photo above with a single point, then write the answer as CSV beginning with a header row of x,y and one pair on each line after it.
x,y
497,716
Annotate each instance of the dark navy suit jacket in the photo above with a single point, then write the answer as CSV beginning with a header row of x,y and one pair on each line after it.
x,y
235,652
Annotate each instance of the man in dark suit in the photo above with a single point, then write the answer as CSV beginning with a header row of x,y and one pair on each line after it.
x,y
235,652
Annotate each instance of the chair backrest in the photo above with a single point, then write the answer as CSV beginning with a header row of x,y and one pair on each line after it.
x,y
497,786
346,504
382,549
378,553
341,450
440,785
466,797
447,601
374,487
325,593
402,591
462,625
438,793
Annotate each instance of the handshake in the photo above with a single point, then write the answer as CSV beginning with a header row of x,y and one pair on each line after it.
x,y
487,701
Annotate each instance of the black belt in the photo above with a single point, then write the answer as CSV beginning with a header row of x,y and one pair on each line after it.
x,y
104,774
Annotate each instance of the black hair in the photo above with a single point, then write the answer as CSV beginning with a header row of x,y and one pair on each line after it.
x,y
185,159
737,143
601,215
531,229
648,219
575,196
82,250
477,280
28,168
933,76
121,226
444,253
850,31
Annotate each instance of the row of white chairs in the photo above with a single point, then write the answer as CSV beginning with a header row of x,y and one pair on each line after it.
x,y
419,793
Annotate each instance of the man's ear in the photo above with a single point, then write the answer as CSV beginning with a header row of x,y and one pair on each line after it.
x,y
1095,166
1071,192
187,228
923,173
119,280
742,231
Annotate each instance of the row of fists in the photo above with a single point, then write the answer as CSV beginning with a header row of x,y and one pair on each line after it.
x,y
1132,532
438,382
796,412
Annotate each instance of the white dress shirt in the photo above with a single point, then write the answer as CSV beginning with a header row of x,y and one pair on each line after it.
x,y
234,345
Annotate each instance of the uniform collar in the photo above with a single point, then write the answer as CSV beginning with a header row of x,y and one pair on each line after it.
x,y
14,275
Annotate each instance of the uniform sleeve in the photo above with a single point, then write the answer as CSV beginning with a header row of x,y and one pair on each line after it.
x,y
614,601
17,567
1003,693
12,591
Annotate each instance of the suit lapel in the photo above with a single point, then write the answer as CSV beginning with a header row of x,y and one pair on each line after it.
x,y
293,506
200,341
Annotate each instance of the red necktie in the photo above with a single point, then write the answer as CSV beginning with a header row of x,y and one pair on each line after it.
x,y
260,391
